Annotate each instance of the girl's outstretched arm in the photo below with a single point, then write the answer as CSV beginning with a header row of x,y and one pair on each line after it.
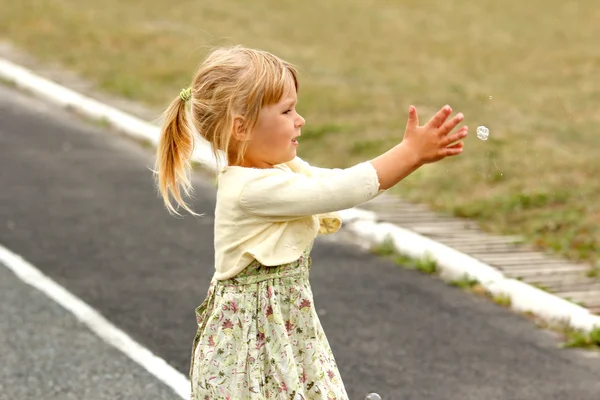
x,y
280,195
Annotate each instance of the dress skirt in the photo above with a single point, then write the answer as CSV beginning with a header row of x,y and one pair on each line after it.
x,y
259,337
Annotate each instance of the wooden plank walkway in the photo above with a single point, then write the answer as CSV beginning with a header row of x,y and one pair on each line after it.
x,y
507,253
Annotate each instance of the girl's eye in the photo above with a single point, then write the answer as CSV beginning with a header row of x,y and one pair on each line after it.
x,y
287,112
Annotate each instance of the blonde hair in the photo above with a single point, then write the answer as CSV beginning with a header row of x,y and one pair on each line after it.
x,y
232,81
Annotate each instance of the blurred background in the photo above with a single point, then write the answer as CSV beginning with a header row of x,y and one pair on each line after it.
x,y
526,70
79,202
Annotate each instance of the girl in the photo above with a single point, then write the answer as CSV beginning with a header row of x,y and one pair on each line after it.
x,y
259,336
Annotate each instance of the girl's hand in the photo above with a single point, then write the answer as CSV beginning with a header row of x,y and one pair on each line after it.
x,y
433,141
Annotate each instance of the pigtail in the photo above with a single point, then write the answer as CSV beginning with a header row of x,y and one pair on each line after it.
x,y
173,155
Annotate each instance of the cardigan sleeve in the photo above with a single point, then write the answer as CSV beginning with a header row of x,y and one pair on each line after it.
x,y
299,165
280,195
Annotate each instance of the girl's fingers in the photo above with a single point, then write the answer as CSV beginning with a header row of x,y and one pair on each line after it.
x,y
449,125
413,118
458,145
458,135
453,150
439,118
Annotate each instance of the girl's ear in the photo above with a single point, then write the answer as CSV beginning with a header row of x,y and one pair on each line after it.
x,y
240,133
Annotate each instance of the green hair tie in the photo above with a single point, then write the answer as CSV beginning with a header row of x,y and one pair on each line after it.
x,y
186,94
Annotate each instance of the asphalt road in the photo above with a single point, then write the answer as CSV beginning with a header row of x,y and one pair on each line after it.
x,y
48,354
78,202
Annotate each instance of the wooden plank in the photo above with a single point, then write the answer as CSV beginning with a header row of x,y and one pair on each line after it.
x,y
578,284
560,278
480,251
436,224
555,265
413,218
528,272
583,297
516,259
441,230
480,240
509,260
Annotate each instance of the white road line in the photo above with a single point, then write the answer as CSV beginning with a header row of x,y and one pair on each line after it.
x,y
96,110
97,323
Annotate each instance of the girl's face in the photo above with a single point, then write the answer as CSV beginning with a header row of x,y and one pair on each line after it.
x,y
273,139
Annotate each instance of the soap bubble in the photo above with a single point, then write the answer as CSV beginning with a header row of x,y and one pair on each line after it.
x,y
373,396
483,132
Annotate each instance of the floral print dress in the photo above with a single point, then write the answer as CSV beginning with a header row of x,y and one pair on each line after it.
x,y
259,337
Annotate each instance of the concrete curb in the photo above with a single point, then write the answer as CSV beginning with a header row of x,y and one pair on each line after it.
x,y
451,263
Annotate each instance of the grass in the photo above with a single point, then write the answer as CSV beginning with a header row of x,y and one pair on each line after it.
x,y
572,338
387,249
7,82
465,283
502,300
576,338
471,285
530,79
594,272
